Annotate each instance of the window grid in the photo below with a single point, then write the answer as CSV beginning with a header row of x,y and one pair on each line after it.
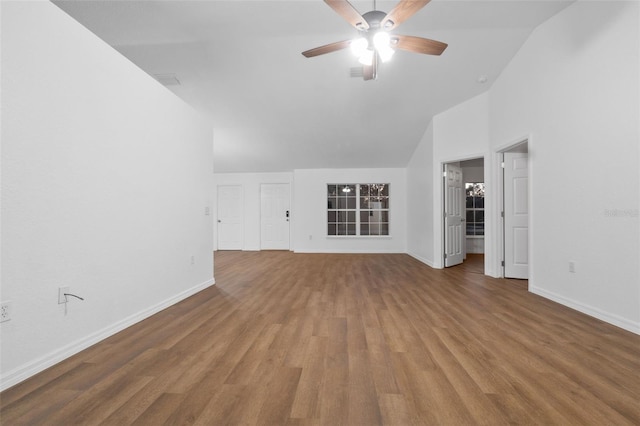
x,y
358,209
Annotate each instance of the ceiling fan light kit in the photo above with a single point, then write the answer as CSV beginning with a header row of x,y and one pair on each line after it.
x,y
375,43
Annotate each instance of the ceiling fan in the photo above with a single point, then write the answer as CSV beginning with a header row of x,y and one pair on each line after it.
x,y
375,43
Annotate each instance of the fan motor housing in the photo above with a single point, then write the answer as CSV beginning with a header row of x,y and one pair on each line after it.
x,y
374,18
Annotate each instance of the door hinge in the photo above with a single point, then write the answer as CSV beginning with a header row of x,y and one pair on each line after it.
x,y
445,255
444,174
502,263
502,164
501,214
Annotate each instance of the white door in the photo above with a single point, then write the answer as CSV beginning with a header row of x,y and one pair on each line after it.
x,y
516,215
453,220
230,217
275,212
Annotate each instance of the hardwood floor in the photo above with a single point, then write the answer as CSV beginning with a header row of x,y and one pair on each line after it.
x,y
329,339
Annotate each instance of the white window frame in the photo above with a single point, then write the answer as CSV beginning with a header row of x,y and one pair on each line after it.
x,y
358,210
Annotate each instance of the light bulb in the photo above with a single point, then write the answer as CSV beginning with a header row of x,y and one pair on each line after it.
x,y
381,40
385,52
359,46
366,58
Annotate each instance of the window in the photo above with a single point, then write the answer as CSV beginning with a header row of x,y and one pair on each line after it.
x,y
358,209
475,209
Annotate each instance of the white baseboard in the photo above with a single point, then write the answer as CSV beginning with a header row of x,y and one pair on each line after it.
x,y
350,251
31,368
424,260
589,310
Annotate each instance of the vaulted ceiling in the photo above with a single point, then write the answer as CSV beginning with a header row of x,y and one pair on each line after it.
x,y
239,63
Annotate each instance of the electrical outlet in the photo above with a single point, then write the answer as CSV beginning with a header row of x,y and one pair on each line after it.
x,y
61,297
5,311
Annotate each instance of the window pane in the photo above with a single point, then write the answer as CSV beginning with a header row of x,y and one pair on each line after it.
x,y
378,189
479,216
351,203
479,228
470,216
469,202
384,229
342,203
364,203
331,229
342,229
351,217
333,203
351,229
331,216
364,217
383,202
374,229
471,228
347,190
332,190
479,202
384,216
364,189
376,216
364,229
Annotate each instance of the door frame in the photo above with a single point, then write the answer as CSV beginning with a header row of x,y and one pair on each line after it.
x,y
512,146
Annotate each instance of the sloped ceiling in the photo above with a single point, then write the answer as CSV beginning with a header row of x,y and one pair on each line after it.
x,y
240,64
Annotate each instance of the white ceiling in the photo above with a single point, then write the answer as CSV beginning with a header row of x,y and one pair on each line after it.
x,y
239,63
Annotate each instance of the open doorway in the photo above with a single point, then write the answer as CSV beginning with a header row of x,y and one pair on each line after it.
x,y
464,190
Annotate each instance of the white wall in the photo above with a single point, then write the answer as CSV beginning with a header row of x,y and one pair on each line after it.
x,y
420,211
105,179
250,183
461,133
310,211
574,88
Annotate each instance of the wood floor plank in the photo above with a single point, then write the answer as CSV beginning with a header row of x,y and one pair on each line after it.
x,y
345,339
306,403
161,409
394,410
218,410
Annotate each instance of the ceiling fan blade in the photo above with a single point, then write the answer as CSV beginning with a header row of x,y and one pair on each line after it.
x,y
339,45
349,13
403,11
418,44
